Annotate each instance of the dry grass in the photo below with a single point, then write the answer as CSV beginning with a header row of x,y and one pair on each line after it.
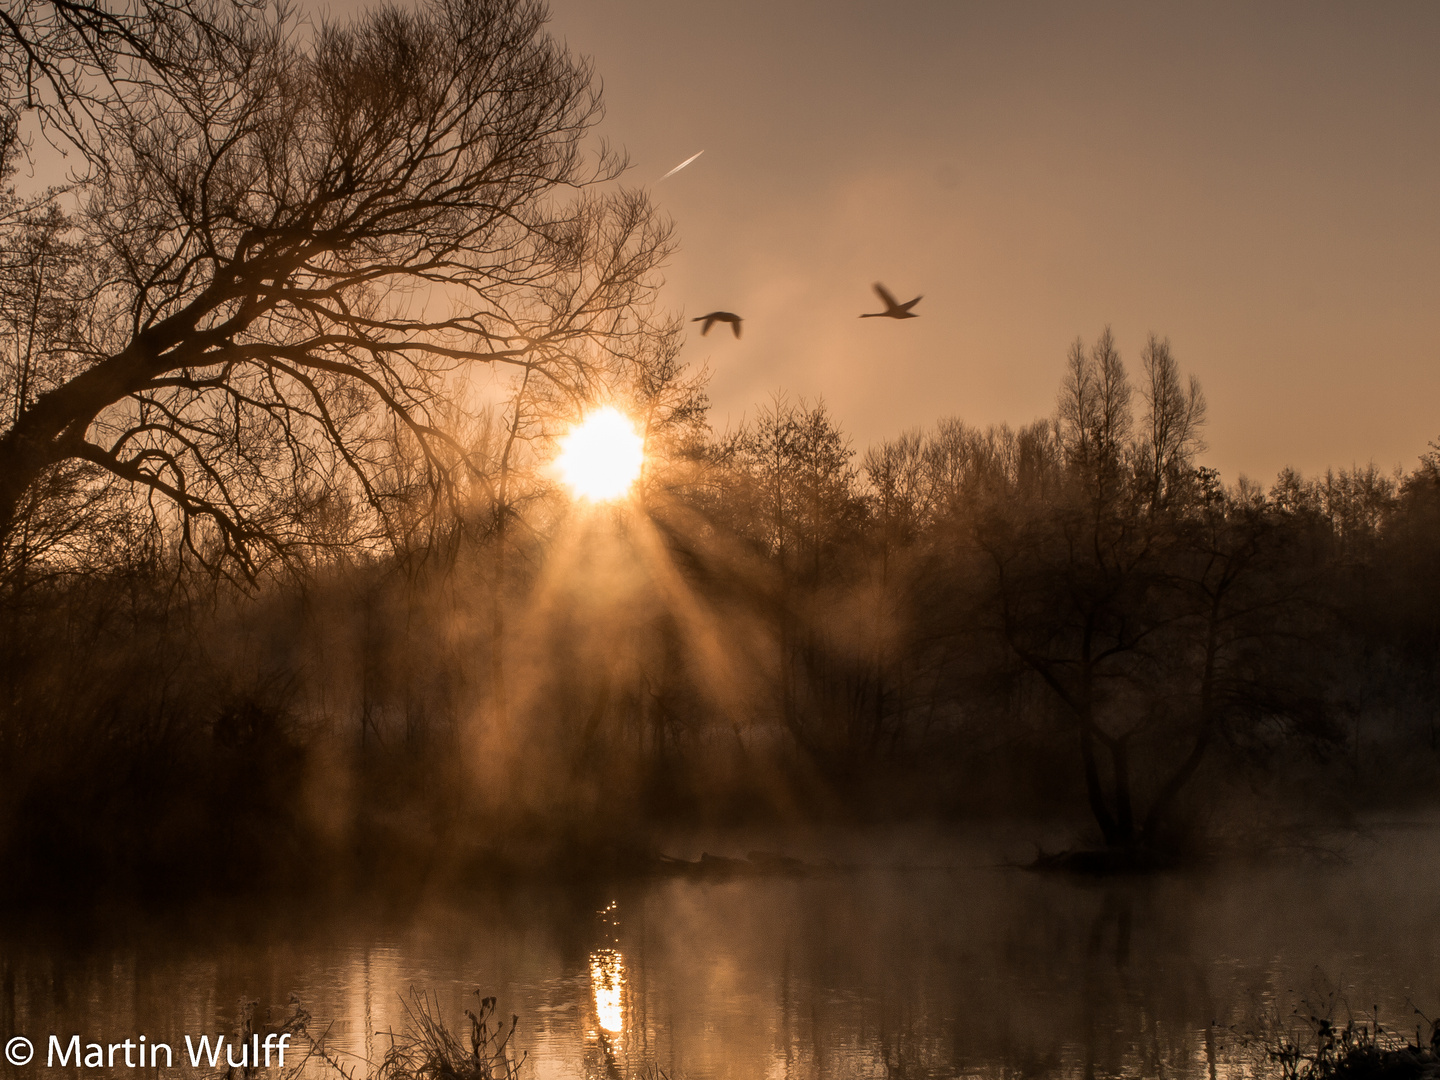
x,y
428,1050
1360,1050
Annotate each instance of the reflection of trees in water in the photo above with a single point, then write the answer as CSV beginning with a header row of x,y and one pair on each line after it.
x,y
994,974
607,1062
1092,982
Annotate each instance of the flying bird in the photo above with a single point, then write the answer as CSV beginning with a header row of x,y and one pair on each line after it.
x,y
718,316
682,164
893,309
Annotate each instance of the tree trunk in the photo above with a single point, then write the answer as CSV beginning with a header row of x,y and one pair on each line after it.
x,y
1094,788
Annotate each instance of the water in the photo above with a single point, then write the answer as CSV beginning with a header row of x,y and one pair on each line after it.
x,y
958,968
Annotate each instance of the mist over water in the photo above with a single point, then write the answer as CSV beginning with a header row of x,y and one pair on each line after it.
x,y
954,966
389,626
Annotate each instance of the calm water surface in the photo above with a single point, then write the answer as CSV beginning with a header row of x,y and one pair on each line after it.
x,y
957,968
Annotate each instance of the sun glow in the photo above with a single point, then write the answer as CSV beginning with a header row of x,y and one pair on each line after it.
x,y
607,980
601,457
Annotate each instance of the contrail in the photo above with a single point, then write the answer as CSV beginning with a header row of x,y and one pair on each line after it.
x,y
677,168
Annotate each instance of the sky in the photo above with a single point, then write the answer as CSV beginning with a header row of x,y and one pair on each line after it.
x,y
1258,183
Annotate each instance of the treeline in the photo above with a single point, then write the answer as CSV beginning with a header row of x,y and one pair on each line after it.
x,y
1073,621
286,580
1077,613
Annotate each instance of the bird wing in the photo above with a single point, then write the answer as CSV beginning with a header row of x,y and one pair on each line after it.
x,y
736,326
709,322
909,304
884,295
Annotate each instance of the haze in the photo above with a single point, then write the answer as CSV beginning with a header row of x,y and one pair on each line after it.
x,y
1257,184
394,640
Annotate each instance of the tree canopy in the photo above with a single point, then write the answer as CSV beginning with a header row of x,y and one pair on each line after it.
x,y
286,248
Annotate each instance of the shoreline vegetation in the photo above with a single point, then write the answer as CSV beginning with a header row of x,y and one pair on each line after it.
x,y
292,595
1200,665
398,878
1317,1048
426,1047
1356,1050
316,606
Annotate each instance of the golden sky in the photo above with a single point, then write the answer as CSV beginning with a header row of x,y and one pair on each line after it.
x,y
1259,183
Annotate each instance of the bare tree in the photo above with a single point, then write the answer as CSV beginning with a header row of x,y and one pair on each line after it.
x,y
895,472
671,407
59,522
299,241
1094,413
1173,418
60,58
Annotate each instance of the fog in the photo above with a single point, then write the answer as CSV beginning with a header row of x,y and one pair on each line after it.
x,y
396,617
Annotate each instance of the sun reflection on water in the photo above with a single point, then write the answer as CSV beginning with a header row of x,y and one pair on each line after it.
x,y
607,978
607,973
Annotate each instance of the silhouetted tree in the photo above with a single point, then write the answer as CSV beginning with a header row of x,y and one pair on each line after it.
x,y
785,485
1171,425
296,244
63,516
1094,415
1149,603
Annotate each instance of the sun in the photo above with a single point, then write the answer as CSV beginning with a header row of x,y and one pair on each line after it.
x,y
601,457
